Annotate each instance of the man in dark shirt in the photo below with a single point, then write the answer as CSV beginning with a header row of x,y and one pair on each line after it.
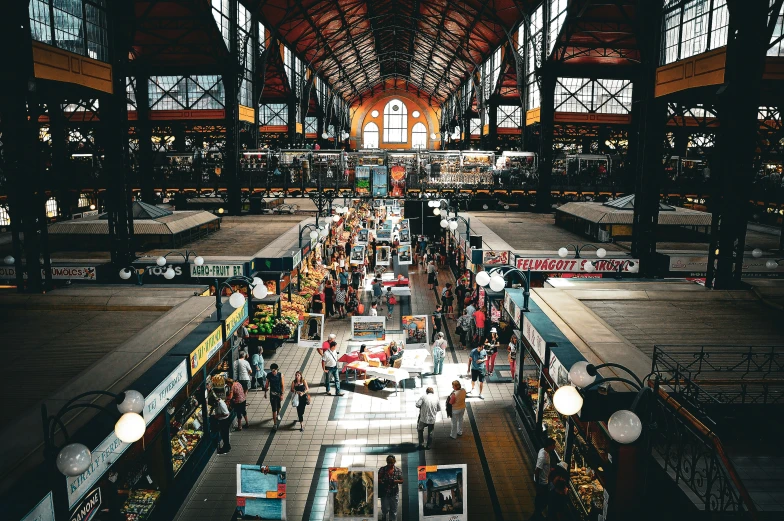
x,y
275,386
389,477
437,317
460,295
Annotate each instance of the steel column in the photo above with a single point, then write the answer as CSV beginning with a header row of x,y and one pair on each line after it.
x,y
547,80
144,135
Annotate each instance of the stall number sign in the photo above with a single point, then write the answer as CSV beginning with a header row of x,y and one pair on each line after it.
x,y
43,511
206,349
217,270
236,318
166,390
574,265
534,338
88,507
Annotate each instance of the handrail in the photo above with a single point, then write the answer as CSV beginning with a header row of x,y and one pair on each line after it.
x,y
717,445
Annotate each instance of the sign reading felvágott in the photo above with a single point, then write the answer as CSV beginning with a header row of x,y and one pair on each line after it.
x,y
43,511
573,265
206,349
217,270
166,390
236,318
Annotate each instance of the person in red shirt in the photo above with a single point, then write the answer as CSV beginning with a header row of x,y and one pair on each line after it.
x,y
479,321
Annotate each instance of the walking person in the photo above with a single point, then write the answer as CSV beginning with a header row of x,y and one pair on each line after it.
x,y
299,388
460,295
431,274
513,355
340,301
391,301
238,398
343,277
329,362
457,401
377,291
243,370
479,322
373,310
389,477
541,478
429,407
329,298
437,318
491,346
275,383
463,328
447,299
439,353
220,411
476,365
257,362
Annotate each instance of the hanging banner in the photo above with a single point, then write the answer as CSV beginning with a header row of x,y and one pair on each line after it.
x,y
310,330
442,493
368,328
357,255
380,181
416,328
362,180
404,255
206,349
405,236
382,255
363,237
352,494
397,175
495,258
261,492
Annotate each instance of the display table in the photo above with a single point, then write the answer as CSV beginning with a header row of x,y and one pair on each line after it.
x,y
414,360
348,358
388,373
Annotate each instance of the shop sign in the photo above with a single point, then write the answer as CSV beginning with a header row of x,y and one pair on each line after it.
x,y
58,273
220,271
534,338
237,317
206,349
153,270
88,507
43,511
558,373
494,258
166,390
574,265
508,303
297,258
104,456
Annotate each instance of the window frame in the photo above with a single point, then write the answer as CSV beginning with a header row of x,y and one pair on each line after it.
x,y
401,120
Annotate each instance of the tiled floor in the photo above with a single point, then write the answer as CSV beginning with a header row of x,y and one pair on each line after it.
x,y
362,427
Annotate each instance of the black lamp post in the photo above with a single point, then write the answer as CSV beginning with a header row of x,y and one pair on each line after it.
x,y
312,228
256,289
496,279
162,261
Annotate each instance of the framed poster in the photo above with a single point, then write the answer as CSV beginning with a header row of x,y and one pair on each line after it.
x,y
405,236
362,180
310,330
382,255
398,180
368,328
261,492
378,203
363,236
380,181
416,328
384,234
357,255
405,224
495,258
352,494
442,493
404,254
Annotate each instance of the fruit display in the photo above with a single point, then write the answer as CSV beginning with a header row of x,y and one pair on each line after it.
x,y
139,504
185,440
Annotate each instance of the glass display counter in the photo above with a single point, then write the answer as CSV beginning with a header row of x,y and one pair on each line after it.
x,y
187,430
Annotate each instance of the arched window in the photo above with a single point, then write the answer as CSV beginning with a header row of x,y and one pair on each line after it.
x,y
395,122
51,207
370,136
419,136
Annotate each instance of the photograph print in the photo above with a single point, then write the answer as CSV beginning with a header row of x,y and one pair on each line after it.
x,y
404,254
442,494
405,236
353,493
382,255
363,237
310,330
357,255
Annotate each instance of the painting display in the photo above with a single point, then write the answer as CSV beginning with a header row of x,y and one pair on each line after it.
x,y
442,493
405,236
384,235
352,494
397,175
363,237
416,328
261,492
380,181
362,180
310,330
404,254
405,224
357,255
382,255
368,328
495,258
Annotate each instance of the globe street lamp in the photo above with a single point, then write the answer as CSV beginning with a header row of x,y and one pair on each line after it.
x,y
168,273
563,252
496,279
256,287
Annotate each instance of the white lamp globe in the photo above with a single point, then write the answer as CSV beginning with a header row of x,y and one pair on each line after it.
x,y
324,135
335,218
756,253
624,426
444,223
74,459
430,204
634,267
443,213
601,252
485,207
198,261
451,215
433,136
563,252
436,210
236,299
314,235
483,278
257,281
9,259
567,400
497,282
125,274
160,261
132,402
324,232
130,427
260,291
579,376
589,267
169,273
453,225
771,264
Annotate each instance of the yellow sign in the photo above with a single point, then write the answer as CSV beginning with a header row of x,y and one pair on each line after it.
x,y
206,349
236,318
